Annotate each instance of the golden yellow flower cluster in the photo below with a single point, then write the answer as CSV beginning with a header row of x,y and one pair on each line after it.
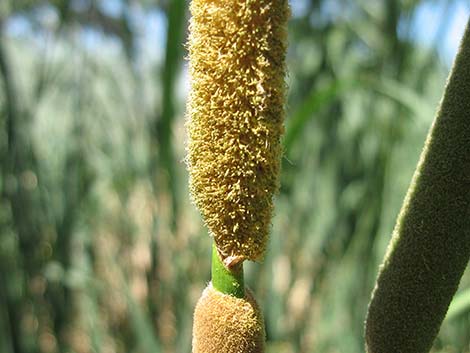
x,y
235,118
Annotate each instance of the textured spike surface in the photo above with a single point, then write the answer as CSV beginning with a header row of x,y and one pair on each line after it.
x,y
235,118
224,323
430,247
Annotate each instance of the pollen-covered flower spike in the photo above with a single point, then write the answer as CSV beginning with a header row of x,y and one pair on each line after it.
x,y
235,118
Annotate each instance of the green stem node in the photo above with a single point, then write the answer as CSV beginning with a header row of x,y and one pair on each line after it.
x,y
227,281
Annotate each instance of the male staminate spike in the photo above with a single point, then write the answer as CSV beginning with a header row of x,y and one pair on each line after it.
x,y
235,118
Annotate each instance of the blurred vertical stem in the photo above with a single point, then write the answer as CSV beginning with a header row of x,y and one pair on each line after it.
x,y
17,159
11,104
12,304
6,344
163,161
163,126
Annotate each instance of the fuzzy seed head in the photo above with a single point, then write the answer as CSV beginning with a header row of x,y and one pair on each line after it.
x,y
235,118
224,323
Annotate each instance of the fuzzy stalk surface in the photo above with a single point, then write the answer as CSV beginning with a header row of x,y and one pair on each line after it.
x,y
235,118
430,246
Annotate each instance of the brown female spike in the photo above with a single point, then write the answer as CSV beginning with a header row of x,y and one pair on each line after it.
x,y
224,323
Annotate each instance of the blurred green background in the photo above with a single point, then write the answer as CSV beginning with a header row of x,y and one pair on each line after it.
x,y
101,250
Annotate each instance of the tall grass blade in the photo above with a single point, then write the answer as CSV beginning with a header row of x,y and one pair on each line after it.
x,y
317,99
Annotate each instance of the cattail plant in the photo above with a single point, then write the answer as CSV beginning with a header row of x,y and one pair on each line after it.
x,y
430,247
235,121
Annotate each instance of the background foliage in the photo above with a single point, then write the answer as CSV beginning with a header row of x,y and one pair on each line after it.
x,y
100,248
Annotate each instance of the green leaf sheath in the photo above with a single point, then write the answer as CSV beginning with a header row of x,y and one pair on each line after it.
x,y
224,280
430,247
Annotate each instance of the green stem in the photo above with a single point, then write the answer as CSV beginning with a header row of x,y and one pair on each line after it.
x,y
227,281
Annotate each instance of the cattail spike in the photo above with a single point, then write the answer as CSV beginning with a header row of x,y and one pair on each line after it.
x,y
235,118
430,247
224,323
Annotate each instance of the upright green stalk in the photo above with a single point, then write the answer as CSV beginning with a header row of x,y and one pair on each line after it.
x,y
225,280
